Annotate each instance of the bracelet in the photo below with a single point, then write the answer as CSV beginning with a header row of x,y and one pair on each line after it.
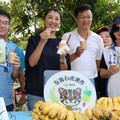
x,y
64,62
24,92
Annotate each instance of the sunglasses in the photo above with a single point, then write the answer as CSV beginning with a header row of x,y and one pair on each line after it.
x,y
116,29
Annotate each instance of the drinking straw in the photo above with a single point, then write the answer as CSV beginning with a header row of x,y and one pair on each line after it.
x,y
16,48
68,39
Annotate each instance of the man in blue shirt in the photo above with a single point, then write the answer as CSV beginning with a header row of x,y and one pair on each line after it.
x,y
6,68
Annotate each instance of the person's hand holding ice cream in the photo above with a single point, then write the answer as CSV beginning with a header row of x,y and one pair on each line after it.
x,y
79,51
63,48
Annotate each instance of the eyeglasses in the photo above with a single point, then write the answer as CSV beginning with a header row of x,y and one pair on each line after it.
x,y
116,28
6,23
83,17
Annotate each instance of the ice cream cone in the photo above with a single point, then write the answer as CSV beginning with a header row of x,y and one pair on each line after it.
x,y
84,44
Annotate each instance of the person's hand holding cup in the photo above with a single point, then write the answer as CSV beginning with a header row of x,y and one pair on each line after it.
x,y
114,68
11,57
14,60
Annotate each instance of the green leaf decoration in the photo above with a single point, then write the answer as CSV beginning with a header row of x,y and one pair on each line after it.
x,y
53,96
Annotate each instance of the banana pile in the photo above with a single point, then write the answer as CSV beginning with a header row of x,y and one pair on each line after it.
x,y
55,111
106,108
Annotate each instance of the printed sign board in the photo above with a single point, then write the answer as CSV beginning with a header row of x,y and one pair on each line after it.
x,y
72,89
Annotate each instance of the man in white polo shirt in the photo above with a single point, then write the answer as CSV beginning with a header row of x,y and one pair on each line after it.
x,y
84,60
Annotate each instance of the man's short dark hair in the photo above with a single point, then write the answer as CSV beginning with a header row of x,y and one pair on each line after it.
x,y
4,13
81,8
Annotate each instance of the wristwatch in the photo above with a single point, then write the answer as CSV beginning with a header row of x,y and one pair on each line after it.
x,y
64,62
24,92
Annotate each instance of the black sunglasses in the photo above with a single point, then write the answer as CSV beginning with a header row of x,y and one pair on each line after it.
x,y
116,29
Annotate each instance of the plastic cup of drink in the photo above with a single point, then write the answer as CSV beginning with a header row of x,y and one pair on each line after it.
x,y
11,57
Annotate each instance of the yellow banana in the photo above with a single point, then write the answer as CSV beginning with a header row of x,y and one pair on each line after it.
x,y
97,113
109,102
35,119
76,115
104,103
106,113
62,114
44,104
38,103
47,118
54,111
94,118
115,109
32,114
82,116
99,101
115,102
47,108
36,116
114,116
55,118
118,98
42,117
70,116
36,110
88,113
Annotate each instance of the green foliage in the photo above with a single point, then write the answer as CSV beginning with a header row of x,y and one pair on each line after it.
x,y
22,41
27,15
104,12
23,44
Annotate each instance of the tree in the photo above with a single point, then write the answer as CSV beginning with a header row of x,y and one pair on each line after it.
x,y
104,12
27,15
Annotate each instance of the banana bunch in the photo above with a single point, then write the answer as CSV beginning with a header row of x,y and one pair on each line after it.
x,y
55,111
94,114
111,113
105,102
104,109
46,110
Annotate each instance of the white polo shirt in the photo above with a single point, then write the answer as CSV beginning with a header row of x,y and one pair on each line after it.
x,y
86,63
